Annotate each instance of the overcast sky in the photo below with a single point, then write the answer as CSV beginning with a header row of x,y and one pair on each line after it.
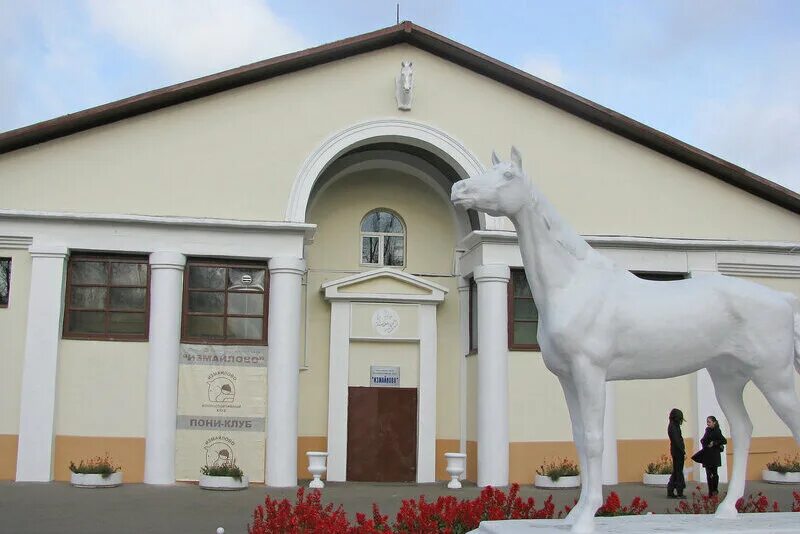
x,y
722,75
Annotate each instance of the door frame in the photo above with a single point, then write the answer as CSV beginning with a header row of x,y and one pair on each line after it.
x,y
340,336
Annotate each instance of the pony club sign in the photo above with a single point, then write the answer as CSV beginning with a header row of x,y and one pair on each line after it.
x,y
221,409
384,376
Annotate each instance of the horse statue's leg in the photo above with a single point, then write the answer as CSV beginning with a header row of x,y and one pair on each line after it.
x,y
571,396
777,385
589,381
729,386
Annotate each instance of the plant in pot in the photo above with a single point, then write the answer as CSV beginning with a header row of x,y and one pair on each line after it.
x,y
98,472
224,476
657,473
559,473
784,470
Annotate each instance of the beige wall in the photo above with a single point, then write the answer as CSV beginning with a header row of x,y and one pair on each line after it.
x,y
253,140
13,322
537,409
101,389
364,354
643,406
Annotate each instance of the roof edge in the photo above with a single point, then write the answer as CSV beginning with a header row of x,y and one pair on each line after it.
x,y
426,40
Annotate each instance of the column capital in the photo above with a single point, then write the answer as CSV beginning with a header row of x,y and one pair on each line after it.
x,y
492,272
287,264
48,251
463,285
167,259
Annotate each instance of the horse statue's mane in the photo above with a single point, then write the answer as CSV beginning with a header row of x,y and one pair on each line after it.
x,y
564,235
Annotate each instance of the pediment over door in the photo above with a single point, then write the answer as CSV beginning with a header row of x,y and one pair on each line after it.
x,y
384,285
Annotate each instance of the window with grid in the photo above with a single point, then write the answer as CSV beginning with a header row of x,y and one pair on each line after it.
x,y
523,317
383,237
5,281
107,298
225,303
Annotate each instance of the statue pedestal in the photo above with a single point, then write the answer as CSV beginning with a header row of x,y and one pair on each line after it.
x,y
647,524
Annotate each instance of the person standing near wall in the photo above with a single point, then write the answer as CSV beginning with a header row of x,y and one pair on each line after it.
x,y
677,450
711,454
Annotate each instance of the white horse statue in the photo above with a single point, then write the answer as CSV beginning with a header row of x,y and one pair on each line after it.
x,y
598,322
404,86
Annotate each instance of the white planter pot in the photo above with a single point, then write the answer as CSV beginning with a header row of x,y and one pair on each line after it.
x,y
651,479
773,477
80,480
223,483
456,465
316,466
542,481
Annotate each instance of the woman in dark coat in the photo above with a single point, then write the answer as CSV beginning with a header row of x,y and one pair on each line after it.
x,y
677,450
712,442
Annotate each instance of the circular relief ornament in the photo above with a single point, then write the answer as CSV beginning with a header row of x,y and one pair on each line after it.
x,y
385,321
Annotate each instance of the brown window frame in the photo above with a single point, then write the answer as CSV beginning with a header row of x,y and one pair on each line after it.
x,y
211,262
473,305
8,283
511,320
106,336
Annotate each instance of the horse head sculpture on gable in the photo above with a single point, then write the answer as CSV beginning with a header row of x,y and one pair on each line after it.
x,y
404,86
598,323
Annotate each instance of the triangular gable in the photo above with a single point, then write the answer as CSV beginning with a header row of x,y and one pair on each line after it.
x,y
382,285
426,40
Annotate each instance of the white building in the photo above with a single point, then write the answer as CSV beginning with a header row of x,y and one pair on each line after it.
x,y
232,267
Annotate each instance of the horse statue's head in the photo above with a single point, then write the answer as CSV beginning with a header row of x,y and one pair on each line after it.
x,y
500,191
404,85
406,75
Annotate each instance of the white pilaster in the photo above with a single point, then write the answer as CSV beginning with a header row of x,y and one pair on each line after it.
x,y
492,399
166,292
337,391
42,336
283,368
610,468
426,411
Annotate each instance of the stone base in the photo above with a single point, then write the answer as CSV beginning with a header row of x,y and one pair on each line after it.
x,y
647,524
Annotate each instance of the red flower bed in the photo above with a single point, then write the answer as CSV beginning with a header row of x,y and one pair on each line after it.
x,y
446,514
758,503
613,506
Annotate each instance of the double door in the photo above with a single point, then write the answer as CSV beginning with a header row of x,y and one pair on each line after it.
x,y
382,434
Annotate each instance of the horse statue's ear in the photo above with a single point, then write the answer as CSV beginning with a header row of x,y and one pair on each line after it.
x,y
495,159
516,157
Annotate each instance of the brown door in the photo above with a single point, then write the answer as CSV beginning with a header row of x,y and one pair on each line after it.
x,y
382,434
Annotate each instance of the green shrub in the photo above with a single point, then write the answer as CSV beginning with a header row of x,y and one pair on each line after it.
x,y
663,466
227,469
559,468
788,464
95,466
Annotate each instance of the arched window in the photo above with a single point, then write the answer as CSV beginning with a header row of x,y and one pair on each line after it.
x,y
383,239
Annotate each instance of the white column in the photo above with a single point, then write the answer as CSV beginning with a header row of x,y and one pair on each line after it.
x,y
705,405
39,369
426,410
283,368
492,399
705,401
337,391
463,306
610,470
166,293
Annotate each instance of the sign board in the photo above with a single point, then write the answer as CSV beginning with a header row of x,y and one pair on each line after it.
x,y
384,376
221,409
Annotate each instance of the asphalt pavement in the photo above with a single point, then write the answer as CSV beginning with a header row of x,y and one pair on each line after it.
x,y
56,507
